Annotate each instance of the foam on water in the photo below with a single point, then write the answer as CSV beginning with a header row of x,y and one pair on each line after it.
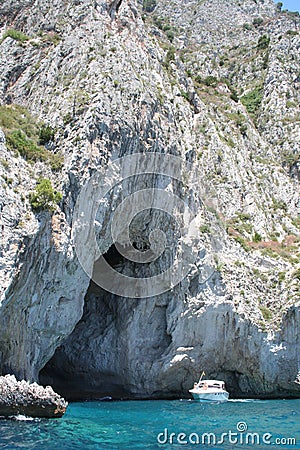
x,y
22,418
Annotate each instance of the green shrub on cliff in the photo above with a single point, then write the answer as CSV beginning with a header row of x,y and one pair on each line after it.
x,y
170,56
266,313
26,147
257,22
164,24
263,42
252,100
15,34
211,81
44,197
149,5
279,6
257,237
16,117
46,134
26,137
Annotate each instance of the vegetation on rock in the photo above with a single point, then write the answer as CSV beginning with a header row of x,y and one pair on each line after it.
x,y
258,21
15,34
252,100
149,5
26,137
117,86
266,313
263,42
44,196
46,134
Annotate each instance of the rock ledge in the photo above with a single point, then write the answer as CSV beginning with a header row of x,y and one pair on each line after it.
x,y
21,397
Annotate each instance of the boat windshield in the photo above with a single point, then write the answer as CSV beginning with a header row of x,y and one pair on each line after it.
x,y
213,384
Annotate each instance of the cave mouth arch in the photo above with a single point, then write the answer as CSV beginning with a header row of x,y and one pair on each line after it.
x,y
113,347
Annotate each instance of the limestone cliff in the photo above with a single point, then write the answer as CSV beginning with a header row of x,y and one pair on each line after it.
x,y
199,102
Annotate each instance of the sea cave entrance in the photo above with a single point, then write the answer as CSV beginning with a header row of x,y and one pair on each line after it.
x,y
114,347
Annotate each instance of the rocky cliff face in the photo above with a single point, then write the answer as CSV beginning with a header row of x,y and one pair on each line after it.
x,y
211,84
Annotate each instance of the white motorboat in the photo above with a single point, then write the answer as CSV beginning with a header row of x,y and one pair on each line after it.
x,y
209,391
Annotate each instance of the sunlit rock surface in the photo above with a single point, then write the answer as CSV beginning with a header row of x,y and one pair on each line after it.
x,y
214,83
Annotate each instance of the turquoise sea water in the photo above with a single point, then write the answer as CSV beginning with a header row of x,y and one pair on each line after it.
x,y
137,424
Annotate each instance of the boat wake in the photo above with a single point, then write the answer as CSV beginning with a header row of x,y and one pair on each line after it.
x,y
244,400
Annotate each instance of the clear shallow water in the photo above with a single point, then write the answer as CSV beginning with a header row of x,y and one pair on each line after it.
x,y
136,425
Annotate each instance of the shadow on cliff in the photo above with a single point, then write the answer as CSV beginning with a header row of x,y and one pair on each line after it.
x,y
113,347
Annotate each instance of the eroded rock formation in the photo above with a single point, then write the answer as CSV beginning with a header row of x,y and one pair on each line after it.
x,y
20,397
213,83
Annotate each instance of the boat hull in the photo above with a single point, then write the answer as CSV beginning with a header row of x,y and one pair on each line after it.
x,y
211,396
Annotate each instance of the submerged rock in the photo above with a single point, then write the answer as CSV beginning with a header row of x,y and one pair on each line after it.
x,y
21,397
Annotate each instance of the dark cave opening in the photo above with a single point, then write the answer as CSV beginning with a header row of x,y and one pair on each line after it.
x,y
72,371
115,339
113,257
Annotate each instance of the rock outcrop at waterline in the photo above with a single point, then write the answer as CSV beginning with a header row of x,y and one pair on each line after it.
x,y
216,84
32,400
